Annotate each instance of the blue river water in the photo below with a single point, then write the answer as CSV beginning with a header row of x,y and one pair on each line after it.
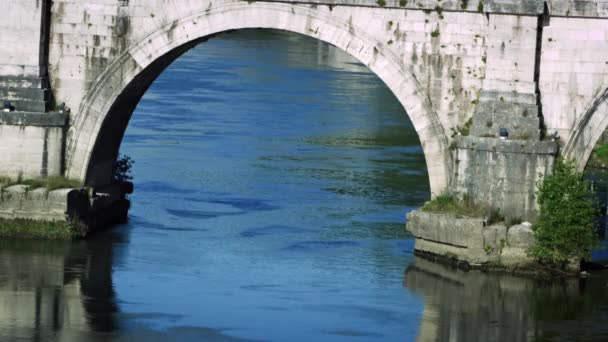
x,y
273,174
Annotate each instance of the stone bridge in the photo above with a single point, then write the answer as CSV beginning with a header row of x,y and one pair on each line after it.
x,y
74,71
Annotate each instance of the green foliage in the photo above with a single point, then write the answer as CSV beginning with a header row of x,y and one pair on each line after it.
x,y
600,154
30,229
402,3
435,33
122,168
480,6
450,203
381,3
439,11
565,230
51,183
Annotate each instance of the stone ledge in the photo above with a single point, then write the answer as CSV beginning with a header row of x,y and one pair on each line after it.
x,y
506,146
471,239
522,7
33,119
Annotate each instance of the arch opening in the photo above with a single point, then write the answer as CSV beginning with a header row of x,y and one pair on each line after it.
x,y
98,128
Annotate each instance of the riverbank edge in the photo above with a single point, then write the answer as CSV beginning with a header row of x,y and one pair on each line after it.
x,y
63,214
470,243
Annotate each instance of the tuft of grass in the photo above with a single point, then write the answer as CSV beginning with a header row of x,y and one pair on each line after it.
x,y
466,129
449,203
30,229
480,6
381,3
435,33
402,3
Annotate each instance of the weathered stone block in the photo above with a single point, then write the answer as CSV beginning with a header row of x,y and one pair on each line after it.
x,y
444,228
521,236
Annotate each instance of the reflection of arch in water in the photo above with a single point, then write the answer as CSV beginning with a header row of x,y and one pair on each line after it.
x,y
99,126
475,306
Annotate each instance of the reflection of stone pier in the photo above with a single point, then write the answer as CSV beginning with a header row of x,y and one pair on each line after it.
x,y
54,290
474,306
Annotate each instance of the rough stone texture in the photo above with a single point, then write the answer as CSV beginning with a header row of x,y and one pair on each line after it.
x,y
502,173
30,148
573,82
521,236
24,54
18,202
92,209
578,8
519,239
20,43
470,239
33,119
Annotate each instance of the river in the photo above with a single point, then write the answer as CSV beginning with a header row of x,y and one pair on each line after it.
x,y
272,176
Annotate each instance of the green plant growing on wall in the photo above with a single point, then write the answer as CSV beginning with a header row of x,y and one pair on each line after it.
x,y
435,33
439,11
381,3
402,3
565,231
599,157
122,168
480,6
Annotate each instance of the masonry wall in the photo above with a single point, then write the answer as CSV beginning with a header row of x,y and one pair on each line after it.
x,y
502,173
574,69
19,202
31,145
20,43
87,36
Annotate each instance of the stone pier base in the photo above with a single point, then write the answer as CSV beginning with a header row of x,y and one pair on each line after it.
x,y
471,241
88,209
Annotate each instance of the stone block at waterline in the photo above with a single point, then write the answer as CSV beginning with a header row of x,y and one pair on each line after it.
x,y
471,239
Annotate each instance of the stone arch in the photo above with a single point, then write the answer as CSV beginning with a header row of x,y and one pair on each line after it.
x,y
587,131
106,109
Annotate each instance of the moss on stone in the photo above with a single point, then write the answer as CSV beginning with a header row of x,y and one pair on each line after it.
x,y
30,229
50,183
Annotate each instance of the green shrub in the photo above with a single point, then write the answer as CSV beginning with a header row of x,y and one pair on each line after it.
x,y
601,154
381,3
122,168
565,231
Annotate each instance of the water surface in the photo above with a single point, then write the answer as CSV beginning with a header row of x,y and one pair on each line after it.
x,y
272,175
